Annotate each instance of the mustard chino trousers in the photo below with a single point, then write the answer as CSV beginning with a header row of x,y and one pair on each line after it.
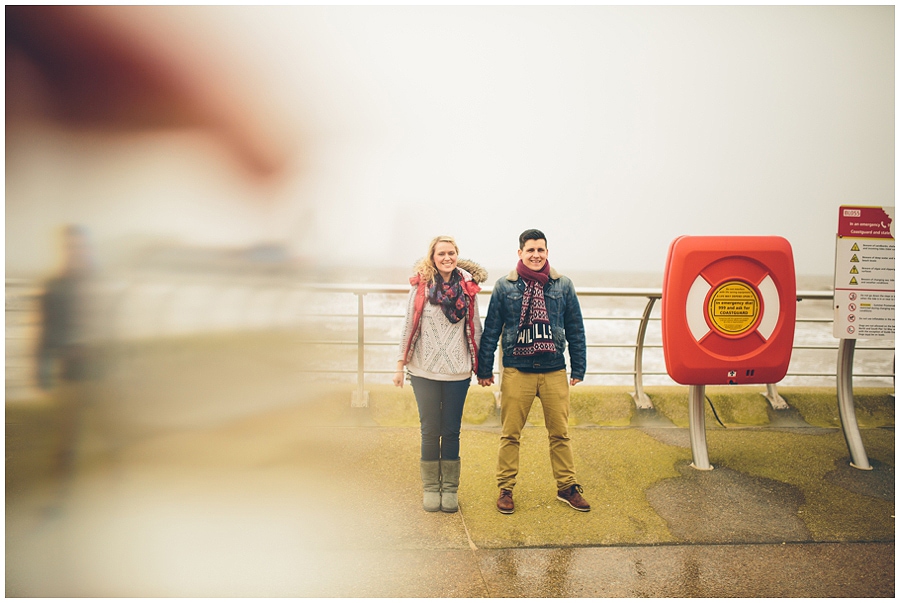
x,y
517,393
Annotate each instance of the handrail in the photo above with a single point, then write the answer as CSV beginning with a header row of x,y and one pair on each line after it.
x,y
640,346
641,399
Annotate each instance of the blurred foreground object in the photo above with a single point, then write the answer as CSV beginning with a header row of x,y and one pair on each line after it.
x,y
65,315
122,69
68,357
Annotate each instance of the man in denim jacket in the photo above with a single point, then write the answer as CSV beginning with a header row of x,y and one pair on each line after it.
x,y
535,312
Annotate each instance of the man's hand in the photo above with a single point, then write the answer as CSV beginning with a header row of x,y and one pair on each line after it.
x,y
486,382
574,382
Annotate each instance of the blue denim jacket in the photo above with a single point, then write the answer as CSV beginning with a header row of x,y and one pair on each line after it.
x,y
502,322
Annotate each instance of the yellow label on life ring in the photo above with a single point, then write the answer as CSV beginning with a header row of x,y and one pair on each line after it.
x,y
733,307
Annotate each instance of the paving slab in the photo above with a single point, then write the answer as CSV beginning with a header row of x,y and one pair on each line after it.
x,y
791,570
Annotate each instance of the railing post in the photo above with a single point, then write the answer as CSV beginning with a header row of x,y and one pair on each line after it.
x,y
847,412
641,400
360,397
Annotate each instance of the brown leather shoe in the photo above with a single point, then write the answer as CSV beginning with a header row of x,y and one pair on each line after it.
x,y
505,502
572,496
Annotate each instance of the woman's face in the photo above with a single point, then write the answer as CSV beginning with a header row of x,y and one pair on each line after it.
x,y
445,258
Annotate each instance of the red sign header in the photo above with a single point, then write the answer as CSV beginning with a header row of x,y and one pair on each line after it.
x,y
864,223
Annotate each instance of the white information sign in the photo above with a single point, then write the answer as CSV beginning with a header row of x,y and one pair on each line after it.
x,y
864,273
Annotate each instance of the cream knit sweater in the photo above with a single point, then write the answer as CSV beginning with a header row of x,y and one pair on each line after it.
x,y
440,353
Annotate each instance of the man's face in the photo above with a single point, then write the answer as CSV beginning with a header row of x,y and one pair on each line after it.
x,y
534,254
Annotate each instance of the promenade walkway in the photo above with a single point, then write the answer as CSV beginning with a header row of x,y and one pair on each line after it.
x,y
319,500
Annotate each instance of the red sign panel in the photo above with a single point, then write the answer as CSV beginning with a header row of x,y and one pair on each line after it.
x,y
864,273
864,222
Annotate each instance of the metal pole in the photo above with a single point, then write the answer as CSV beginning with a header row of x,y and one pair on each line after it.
x,y
774,398
697,420
360,399
858,457
640,398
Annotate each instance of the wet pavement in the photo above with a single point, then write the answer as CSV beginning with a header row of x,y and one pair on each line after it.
x,y
279,504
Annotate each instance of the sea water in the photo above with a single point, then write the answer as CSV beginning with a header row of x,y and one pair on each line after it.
x,y
160,305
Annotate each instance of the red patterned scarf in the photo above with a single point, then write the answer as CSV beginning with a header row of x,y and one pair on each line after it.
x,y
533,334
450,296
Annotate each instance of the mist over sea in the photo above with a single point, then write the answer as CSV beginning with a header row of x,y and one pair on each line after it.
x,y
581,278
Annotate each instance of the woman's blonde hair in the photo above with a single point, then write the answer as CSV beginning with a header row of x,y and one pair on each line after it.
x,y
426,267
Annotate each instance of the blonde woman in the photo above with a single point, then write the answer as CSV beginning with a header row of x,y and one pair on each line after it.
x,y
439,348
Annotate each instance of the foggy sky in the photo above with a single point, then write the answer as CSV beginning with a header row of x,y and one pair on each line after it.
x,y
614,129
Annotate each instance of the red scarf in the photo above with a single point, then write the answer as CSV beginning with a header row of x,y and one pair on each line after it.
x,y
450,296
533,335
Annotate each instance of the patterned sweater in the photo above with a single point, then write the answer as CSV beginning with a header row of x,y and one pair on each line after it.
x,y
440,353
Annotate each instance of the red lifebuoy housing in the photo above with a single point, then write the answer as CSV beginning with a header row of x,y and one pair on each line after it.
x,y
728,309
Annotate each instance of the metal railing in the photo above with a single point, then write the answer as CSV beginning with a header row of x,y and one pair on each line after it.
x,y
359,314
639,347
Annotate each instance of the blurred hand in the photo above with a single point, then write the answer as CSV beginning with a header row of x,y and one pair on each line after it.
x,y
398,379
574,382
486,382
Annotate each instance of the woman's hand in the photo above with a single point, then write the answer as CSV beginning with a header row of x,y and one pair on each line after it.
x,y
398,376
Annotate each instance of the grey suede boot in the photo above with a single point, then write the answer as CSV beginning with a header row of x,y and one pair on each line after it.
x,y
431,484
449,486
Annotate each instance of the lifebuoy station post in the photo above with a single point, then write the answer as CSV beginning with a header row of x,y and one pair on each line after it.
x,y
729,305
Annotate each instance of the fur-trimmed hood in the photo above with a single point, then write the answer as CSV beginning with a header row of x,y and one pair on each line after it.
x,y
473,269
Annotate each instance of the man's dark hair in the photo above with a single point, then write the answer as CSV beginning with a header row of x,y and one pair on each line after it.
x,y
531,233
